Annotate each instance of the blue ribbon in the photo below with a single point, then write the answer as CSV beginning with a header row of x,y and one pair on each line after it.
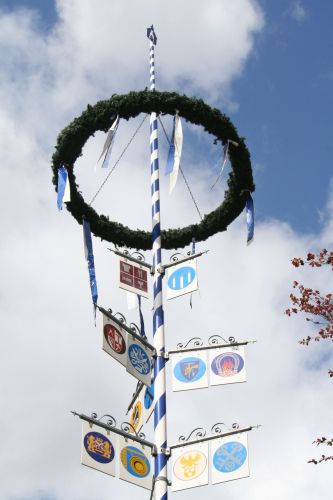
x,y
193,252
142,323
171,155
107,156
249,218
62,179
90,259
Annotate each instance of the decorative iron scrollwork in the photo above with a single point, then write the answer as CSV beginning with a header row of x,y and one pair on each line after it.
x,y
129,429
194,342
109,419
198,433
218,340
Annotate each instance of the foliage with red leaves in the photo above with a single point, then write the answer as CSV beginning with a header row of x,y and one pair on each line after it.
x,y
319,307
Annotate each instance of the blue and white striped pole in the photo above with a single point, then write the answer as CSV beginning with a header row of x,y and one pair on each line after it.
x,y
161,485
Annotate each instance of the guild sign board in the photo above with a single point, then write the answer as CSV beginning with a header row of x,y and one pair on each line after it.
x,y
229,458
182,278
142,408
190,466
135,465
139,359
114,340
137,414
133,277
189,371
218,366
99,448
129,350
227,365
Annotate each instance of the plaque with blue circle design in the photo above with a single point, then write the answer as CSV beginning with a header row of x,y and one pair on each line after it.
x,y
98,447
229,457
227,364
135,461
139,359
182,278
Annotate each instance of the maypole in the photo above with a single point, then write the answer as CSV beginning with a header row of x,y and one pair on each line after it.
x,y
124,451
160,425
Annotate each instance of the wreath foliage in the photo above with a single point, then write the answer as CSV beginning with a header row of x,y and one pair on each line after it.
x,y
99,117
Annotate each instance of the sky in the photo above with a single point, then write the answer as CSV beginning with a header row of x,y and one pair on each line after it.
x,y
268,66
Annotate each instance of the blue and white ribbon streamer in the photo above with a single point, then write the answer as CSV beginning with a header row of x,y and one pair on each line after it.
x,y
223,160
88,250
142,322
64,193
107,148
175,151
192,252
249,218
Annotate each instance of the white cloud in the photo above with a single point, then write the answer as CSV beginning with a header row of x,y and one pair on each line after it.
x,y
51,356
297,11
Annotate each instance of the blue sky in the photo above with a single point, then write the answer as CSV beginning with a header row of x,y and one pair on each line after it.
x,y
267,65
284,103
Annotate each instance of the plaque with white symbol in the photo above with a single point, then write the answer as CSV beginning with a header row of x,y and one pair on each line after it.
x,y
139,360
114,340
229,458
182,278
133,277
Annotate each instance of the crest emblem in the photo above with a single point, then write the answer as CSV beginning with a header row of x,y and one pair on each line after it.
x,y
114,339
136,415
139,359
227,364
181,278
98,447
135,461
190,465
229,457
189,369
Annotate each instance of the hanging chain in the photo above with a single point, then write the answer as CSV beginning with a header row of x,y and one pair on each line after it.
x,y
181,171
118,160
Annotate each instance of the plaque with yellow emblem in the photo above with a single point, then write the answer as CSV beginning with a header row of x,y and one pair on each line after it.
x,y
99,448
137,414
190,466
135,465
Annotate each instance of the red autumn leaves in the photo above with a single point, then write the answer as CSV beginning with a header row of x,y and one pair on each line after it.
x,y
319,310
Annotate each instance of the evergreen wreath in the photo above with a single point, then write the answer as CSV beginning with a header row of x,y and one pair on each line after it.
x,y
99,117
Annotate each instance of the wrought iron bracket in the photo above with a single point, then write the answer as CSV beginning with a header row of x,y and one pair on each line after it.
x,y
217,433
184,259
161,270
128,256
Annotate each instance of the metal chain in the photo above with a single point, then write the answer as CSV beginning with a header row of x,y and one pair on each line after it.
x,y
116,163
181,171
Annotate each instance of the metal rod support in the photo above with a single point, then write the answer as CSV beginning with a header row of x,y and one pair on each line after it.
x,y
133,259
180,261
203,348
126,435
210,438
135,395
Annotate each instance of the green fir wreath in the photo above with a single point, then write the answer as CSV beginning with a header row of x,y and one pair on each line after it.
x,y
99,117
